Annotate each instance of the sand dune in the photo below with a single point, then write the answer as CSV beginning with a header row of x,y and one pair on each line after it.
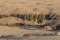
x,y
28,6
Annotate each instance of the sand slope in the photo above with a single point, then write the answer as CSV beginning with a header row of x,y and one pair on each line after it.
x,y
28,6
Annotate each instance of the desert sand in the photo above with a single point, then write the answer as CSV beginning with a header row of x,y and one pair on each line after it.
x,y
25,7
18,32
29,6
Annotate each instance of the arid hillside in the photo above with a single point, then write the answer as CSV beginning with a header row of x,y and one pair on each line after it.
x,y
29,6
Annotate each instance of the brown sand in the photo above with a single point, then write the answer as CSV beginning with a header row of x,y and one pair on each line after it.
x,y
5,30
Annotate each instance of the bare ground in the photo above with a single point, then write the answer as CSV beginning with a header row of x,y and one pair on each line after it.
x,y
18,32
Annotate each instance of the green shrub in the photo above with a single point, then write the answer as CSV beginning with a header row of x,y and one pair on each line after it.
x,y
2,16
39,20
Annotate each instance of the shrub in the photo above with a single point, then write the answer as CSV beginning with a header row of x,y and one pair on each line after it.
x,y
40,20
2,16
